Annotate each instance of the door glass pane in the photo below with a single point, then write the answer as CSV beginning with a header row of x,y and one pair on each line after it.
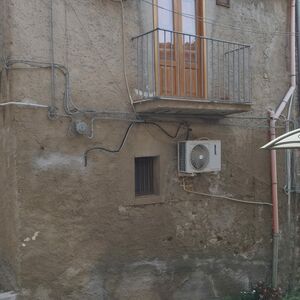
x,y
165,16
189,16
189,28
188,21
165,20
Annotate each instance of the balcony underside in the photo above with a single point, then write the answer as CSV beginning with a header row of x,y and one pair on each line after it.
x,y
190,107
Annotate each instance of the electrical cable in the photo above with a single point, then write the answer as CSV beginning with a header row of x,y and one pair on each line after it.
x,y
52,108
224,197
61,68
102,148
66,38
124,57
188,131
106,149
215,23
67,96
172,136
7,64
91,136
66,100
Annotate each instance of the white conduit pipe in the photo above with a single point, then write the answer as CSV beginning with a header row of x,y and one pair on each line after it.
x,y
24,104
274,115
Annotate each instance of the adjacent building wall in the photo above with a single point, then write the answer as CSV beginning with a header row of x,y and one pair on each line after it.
x,y
4,44
82,233
8,203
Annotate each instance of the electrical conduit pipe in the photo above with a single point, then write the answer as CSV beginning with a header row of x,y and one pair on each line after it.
x,y
274,115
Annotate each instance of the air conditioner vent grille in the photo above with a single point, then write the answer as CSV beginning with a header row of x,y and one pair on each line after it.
x,y
182,157
199,157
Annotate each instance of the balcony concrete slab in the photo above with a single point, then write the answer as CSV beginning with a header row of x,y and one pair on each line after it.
x,y
193,107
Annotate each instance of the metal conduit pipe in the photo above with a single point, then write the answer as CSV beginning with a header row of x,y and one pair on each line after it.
x,y
274,115
275,204
298,40
288,190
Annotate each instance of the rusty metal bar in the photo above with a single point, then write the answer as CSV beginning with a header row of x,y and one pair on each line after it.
x,y
172,49
190,48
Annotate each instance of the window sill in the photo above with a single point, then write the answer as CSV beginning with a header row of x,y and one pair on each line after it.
x,y
147,200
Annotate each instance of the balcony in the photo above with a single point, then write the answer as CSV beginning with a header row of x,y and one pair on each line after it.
x,y
180,73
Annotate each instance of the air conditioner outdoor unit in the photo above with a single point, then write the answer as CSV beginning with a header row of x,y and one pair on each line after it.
x,y
199,156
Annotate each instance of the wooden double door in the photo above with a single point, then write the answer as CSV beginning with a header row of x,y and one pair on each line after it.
x,y
180,61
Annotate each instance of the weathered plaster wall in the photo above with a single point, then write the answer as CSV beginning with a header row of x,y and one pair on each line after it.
x,y
94,243
4,45
81,232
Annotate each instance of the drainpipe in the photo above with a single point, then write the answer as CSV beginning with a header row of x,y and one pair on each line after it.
x,y
294,235
298,40
274,115
275,203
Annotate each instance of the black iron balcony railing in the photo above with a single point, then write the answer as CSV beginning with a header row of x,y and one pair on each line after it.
x,y
177,65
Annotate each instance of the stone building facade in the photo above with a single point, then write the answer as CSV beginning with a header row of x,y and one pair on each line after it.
x,y
75,231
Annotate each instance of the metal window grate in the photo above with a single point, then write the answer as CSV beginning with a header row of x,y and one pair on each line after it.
x,y
144,176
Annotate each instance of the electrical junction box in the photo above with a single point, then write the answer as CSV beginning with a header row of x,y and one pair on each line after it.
x,y
81,128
